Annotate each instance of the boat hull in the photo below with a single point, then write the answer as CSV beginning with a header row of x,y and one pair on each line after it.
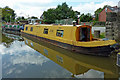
x,y
98,51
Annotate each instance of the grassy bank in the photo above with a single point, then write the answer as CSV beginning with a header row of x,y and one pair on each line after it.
x,y
98,26
102,35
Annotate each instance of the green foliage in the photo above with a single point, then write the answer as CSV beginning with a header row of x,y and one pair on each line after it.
x,y
97,13
102,35
7,40
49,16
20,18
98,23
94,22
86,18
8,14
60,12
33,17
0,11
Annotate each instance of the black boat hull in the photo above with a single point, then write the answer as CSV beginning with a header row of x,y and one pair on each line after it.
x,y
98,51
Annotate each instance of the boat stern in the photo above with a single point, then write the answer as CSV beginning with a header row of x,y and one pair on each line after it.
x,y
100,48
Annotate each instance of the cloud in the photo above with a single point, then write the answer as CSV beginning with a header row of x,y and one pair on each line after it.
x,y
14,48
91,7
17,49
27,7
80,1
91,74
31,11
12,3
2,49
37,7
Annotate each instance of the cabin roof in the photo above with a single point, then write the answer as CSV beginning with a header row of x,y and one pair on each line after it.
x,y
57,25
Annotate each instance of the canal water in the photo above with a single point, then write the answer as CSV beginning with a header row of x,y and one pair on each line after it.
x,y
25,57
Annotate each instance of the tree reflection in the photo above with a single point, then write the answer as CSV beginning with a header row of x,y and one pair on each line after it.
x,y
6,41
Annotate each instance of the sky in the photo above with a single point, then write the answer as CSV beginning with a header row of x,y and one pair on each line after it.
x,y
37,7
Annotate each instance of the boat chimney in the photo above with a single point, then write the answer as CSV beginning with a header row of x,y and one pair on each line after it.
x,y
74,23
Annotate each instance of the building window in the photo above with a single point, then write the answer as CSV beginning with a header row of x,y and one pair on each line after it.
x,y
26,28
45,31
59,33
31,29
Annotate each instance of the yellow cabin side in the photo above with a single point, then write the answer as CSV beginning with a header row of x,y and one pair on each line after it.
x,y
69,32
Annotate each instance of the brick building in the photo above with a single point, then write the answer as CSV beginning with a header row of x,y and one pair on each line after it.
x,y
102,14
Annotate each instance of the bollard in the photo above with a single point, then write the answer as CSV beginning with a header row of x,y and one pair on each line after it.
x,y
97,33
118,59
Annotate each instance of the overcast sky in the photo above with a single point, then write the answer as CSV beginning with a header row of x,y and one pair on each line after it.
x,y
37,7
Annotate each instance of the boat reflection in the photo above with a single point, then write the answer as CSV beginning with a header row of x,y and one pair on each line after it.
x,y
77,64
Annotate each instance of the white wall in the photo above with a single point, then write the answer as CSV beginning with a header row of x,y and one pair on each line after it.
x,y
102,29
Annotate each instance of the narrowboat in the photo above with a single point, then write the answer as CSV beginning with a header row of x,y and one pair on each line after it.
x,y
76,38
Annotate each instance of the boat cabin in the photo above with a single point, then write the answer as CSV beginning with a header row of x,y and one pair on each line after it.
x,y
61,32
84,33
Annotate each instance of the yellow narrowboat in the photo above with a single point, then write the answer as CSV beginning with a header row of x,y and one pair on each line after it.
x,y
76,38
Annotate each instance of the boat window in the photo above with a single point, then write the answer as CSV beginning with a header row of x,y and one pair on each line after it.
x,y
46,51
45,31
59,33
59,59
31,29
26,28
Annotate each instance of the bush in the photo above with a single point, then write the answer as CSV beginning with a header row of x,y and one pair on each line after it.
x,y
102,35
98,23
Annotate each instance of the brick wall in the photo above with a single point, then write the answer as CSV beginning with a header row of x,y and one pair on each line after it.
x,y
102,15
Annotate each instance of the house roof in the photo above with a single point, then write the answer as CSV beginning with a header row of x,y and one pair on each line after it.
x,y
113,8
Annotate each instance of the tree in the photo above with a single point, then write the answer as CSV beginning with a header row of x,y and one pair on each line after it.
x,y
23,18
86,18
20,18
60,12
8,14
7,41
49,16
33,17
97,13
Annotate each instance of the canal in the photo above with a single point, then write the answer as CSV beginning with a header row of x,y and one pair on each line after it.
x,y
25,57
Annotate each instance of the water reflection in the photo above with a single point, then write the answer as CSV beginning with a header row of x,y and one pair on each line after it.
x,y
21,61
81,66
33,58
0,56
